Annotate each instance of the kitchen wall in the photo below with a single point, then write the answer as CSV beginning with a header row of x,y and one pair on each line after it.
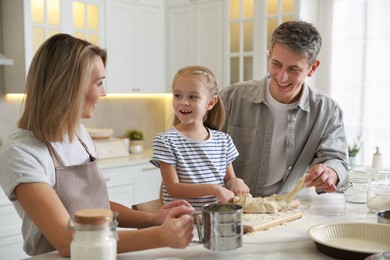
x,y
151,114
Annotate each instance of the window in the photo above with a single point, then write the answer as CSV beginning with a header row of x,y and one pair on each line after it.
x,y
241,40
358,70
251,24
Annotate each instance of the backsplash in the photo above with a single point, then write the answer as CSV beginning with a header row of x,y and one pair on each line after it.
x,y
151,114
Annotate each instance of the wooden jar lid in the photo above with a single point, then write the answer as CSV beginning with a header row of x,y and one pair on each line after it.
x,y
93,216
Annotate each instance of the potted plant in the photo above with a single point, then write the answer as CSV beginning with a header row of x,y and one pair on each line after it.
x,y
136,140
353,150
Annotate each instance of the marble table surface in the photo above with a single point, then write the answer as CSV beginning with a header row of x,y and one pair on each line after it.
x,y
287,241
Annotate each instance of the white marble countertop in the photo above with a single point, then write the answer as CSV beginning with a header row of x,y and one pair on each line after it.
x,y
287,241
131,159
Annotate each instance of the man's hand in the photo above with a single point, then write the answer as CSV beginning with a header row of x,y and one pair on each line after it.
x,y
322,177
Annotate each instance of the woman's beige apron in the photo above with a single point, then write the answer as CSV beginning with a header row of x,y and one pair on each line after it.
x,y
78,187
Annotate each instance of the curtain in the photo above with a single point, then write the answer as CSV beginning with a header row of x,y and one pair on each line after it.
x,y
355,70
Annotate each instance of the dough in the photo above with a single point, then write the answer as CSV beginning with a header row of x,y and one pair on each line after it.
x,y
271,204
259,204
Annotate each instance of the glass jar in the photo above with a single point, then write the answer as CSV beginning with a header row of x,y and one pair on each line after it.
x,y
94,236
378,194
356,192
355,189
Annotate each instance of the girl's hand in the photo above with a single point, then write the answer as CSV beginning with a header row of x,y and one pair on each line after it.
x,y
237,186
223,194
176,231
162,213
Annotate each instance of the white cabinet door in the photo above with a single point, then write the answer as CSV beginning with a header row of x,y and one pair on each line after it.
x,y
147,182
120,184
120,47
181,39
133,184
135,45
11,240
149,50
195,36
210,37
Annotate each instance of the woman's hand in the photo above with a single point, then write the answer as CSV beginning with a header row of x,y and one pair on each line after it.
x,y
161,214
176,231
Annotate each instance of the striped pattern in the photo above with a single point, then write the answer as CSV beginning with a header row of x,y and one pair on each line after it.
x,y
195,161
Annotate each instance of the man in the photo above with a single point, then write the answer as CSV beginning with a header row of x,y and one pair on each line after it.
x,y
283,128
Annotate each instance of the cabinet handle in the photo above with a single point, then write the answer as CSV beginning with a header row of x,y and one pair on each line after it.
x,y
107,179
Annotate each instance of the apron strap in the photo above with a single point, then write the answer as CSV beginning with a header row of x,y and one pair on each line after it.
x,y
92,158
56,159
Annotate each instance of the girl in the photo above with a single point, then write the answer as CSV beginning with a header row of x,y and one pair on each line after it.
x,y
194,156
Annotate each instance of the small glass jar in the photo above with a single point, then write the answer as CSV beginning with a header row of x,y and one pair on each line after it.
x,y
356,192
355,189
378,195
94,236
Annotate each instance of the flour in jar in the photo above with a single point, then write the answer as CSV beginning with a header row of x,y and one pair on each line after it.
x,y
377,203
378,195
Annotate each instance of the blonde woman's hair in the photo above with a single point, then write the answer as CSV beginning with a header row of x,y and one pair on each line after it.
x,y
214,118
56,87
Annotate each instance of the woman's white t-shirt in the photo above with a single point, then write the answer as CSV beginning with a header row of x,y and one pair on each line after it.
x,y
25,159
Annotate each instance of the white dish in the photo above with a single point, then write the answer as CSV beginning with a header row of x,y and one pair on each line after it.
x,y
100,133
351,240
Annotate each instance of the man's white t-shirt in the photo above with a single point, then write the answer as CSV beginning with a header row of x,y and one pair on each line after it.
x,y
278,155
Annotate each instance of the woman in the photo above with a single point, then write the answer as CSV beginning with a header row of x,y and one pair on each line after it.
x,y
48,165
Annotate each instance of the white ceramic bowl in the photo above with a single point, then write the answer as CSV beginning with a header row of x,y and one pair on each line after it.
x,y
100,133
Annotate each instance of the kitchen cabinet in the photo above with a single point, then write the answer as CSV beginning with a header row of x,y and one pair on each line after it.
x,y
148,181
120,184
11,240
135,46
195,36
132,184
38,20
